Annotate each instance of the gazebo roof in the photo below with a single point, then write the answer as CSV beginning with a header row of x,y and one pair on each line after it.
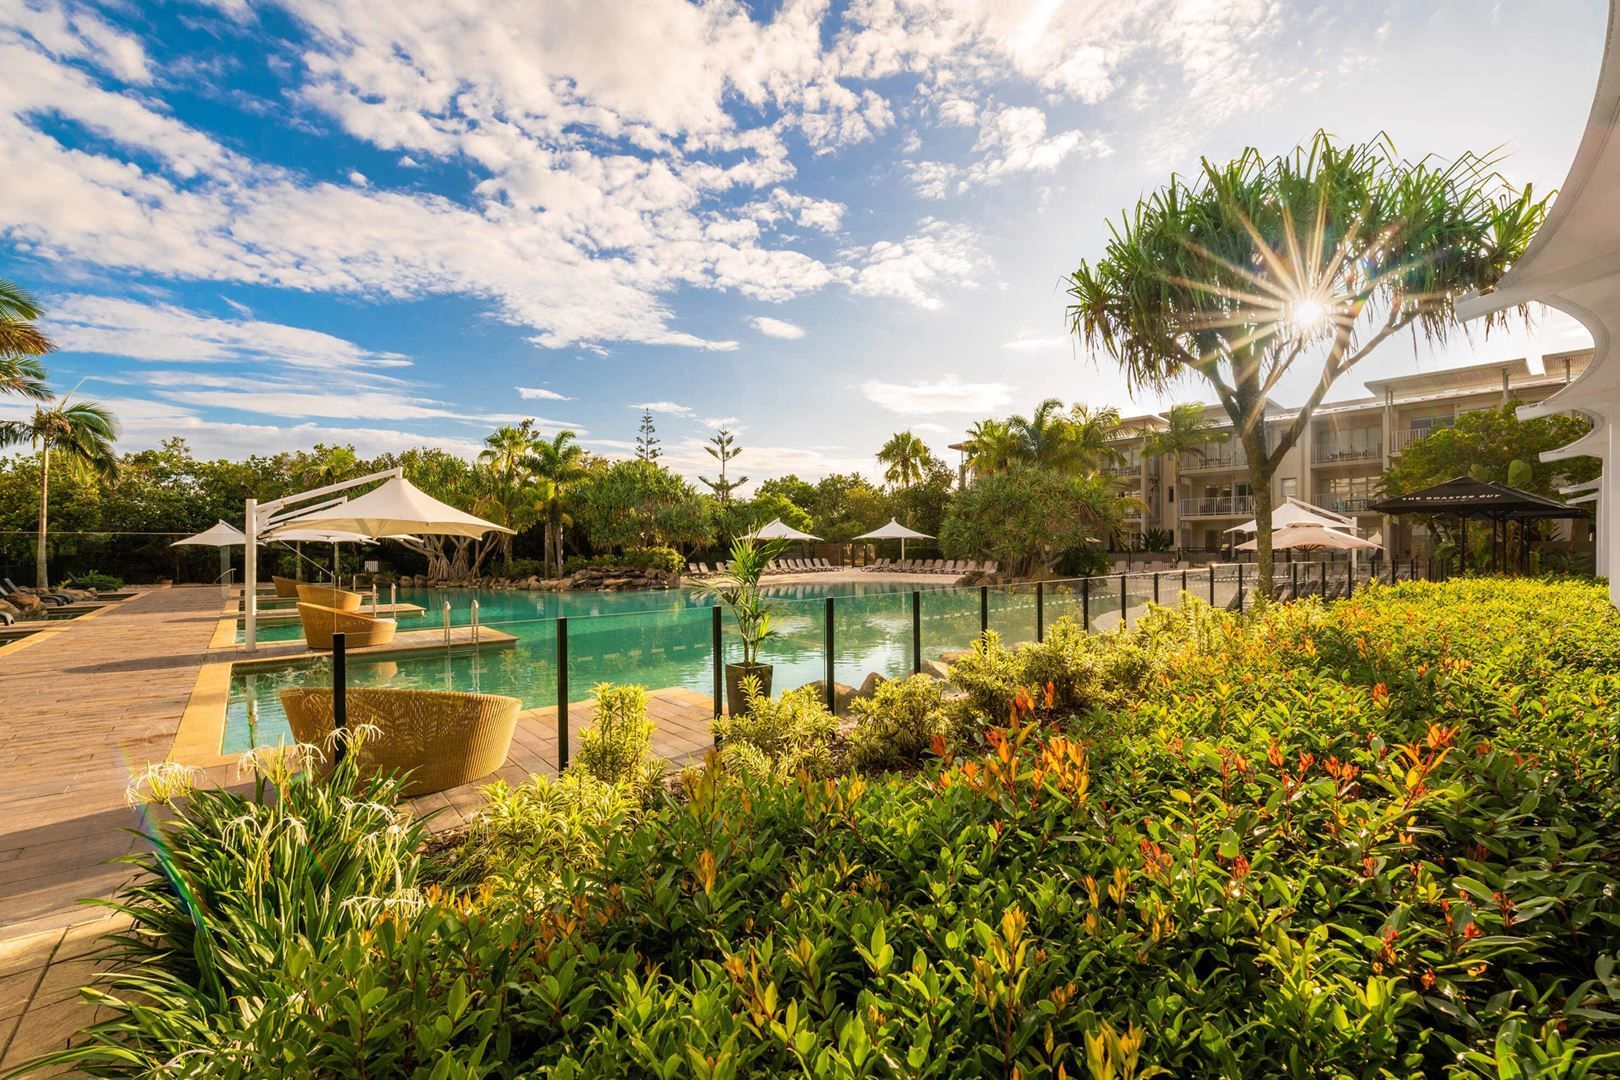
x,y
1476,498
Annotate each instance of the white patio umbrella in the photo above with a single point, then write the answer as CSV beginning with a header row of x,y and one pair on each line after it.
x,y
776,530
299,533
398,507
1293,512
1313,537
220,535
895,531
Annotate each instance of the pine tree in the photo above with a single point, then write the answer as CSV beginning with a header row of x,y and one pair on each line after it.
x,y
647,440
725,448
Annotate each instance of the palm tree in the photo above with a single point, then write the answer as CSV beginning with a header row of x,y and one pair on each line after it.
x,y
21,345
508,448
1093,435
1303,263
79,435
905,459
1047,436
510,499
992,445
557,466
1185,433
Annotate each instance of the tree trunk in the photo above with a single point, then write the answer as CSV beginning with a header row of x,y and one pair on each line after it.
x,y
41,578
1260,480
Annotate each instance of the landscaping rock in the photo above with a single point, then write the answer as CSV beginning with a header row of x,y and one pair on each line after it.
x,y
26,603
843,694
937,670
953,655
869,686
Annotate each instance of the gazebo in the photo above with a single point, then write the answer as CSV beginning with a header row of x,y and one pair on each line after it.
x,y
1464,498
895,531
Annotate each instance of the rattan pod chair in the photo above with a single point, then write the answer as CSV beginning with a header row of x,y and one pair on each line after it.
x,y
329,596
442,738
360,630
286,587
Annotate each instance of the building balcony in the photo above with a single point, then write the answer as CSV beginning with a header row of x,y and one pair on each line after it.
x,y
1329,454
1343,504
1219,506
1406,438
1213,460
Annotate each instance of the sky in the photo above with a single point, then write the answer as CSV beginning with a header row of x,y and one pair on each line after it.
x,y
263,225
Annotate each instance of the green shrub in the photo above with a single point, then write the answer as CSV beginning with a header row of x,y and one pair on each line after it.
x,y
898,722
617,748
658,558
520,568
97,581
777,738
991,676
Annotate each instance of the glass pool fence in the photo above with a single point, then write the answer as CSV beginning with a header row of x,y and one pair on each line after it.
x,y
837,642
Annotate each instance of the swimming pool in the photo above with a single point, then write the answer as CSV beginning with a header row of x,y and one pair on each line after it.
x,y
662,639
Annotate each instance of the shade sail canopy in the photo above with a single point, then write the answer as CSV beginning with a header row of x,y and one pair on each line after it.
x,y
894,531
776,530
1312,537
1468,497
304,535
398,506
220,534
1293,513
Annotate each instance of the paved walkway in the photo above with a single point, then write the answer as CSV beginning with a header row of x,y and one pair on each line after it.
x,y
79,711
83,708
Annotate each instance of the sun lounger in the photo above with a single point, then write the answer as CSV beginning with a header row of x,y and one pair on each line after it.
x,y
321,622
441,738
54,598
329,596
990,567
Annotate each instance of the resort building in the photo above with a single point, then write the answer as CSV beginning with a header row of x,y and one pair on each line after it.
x,y
1338,460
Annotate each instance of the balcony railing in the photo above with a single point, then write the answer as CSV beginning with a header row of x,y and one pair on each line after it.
x,y
1219,506
1329,454
1406,438
1343,504
1214,458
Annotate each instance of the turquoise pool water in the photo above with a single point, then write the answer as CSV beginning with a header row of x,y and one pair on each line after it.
x,y
662,639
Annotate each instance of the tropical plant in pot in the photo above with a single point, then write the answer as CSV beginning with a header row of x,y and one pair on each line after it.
x,y
737,588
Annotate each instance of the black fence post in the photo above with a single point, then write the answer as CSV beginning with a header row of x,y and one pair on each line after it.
x,y
718,649
1349,579
1324,579
1240,587
1040,611
1183,587
1155,586
340,693
1211,584
984,610
916,632
1124,603
562,694
1085,604
1293,580
832,693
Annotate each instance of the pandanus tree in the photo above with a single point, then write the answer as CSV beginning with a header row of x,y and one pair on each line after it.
x,y
78,436
1261,267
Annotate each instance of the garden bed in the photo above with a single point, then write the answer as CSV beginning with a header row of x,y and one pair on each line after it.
x,y
1373,838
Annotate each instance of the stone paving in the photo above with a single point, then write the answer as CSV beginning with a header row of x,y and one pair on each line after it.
x,y
83,707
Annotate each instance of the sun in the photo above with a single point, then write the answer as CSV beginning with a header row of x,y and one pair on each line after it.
x,y
1307,315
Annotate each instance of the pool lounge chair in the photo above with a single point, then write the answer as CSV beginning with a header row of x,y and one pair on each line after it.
x,y
990,567
328,596
442,738
56,598
359,631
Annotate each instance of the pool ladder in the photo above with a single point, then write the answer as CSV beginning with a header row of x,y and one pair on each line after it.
x,y
447,622
475,622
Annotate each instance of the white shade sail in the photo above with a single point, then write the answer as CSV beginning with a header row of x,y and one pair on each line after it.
x,y
776,530
398,506
1295,513
220,534
894,531
316,536
1305,537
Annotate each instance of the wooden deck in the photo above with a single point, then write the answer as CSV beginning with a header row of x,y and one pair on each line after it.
x,y
88,701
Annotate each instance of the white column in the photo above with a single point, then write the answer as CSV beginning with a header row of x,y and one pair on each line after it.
x,y
1607,515
250,574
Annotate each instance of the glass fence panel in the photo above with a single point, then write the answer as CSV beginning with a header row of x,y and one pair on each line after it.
x,y
1064,599
1138,594
871,635
1225,592
950,621
1012,613
659,650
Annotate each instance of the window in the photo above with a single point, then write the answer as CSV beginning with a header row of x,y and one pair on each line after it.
x,y
1290,487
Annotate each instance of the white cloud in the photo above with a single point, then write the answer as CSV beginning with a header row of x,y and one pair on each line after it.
x,y
668,408
930,426
715,423
947,394
1039,343
939,256
1011,140
119,327
540,393
777,328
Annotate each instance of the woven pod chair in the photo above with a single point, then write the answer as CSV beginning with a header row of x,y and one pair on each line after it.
x,y
329,596
286,587
321,622
441,738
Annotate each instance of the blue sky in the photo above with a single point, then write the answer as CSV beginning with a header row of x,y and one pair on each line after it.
x,y
393,222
